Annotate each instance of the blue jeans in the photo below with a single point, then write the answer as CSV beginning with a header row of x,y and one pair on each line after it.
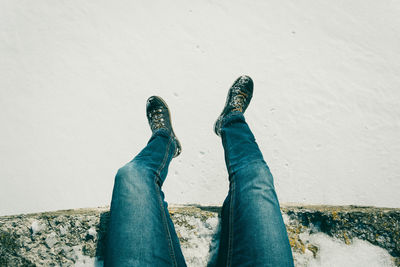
x,y
141,232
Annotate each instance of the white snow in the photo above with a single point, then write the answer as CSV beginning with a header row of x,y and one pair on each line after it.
x,y
51,240
334,253
331,252
82,260
75,76
92,232
198,237
63,230
36,227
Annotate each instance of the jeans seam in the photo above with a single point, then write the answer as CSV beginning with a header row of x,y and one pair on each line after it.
x,y
163,215
165,157
165,224
230,236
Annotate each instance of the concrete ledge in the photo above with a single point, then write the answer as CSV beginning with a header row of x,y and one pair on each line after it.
x,y
76,237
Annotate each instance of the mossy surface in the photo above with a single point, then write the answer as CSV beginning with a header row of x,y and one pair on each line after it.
x,y
63,237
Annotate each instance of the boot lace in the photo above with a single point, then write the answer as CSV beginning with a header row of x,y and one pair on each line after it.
x,y
238,101
157,119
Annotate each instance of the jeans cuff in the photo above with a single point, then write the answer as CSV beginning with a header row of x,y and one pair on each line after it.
x,y
235,115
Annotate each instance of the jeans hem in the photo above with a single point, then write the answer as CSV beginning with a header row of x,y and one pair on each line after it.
x,y
230,117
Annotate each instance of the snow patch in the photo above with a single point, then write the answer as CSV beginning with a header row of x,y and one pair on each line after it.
x,y
36,227
333,252
198,236
92,232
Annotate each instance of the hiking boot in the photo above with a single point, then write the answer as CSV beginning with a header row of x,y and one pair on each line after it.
x,y
159,117
238,99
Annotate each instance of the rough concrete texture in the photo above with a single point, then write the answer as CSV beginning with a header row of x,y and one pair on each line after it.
x,y
76,237
75,76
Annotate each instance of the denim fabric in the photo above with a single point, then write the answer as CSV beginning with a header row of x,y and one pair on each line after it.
x,y
141,232
252,228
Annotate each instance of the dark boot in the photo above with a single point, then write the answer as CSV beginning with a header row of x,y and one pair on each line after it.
x,y
238,99
159,117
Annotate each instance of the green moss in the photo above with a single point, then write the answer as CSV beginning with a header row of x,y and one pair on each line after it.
x,y
9,251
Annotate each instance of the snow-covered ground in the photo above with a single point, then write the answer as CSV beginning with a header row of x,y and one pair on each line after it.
x,y
333,253
75,76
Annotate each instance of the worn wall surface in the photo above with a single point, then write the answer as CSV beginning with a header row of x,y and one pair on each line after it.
x,y
75,75
318,235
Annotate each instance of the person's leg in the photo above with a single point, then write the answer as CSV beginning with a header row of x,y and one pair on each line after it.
x,y
253,232
140,231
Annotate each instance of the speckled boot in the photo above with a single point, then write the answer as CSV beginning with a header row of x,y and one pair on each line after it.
x,y
159,117
238,99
